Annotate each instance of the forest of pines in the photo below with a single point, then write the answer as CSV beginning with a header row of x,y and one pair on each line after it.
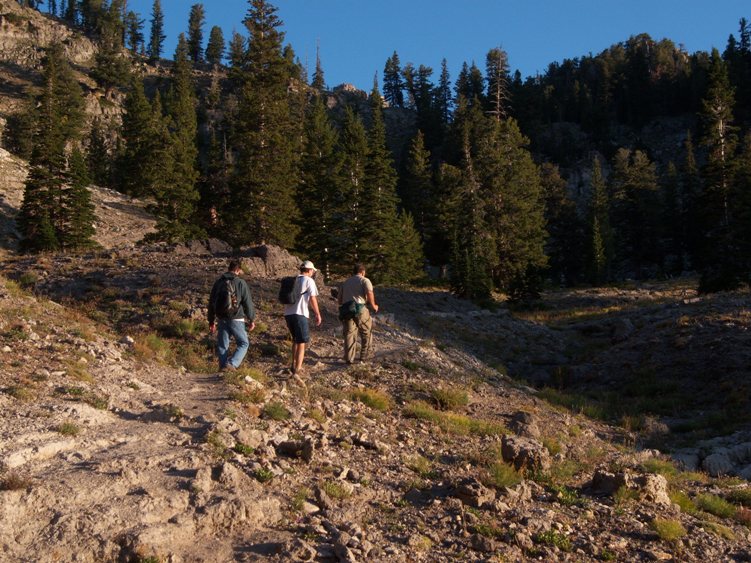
x,y
250,152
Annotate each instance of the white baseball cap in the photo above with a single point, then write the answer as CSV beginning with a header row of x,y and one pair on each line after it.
x,y
308,265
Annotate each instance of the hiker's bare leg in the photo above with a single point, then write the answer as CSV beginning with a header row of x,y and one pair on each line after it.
x,y
298,354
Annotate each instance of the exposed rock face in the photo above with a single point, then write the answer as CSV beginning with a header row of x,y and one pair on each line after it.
x,y
525,453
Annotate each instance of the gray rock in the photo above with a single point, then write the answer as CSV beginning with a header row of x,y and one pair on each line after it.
x,y
483,543
717,464
525,453
687,460
525,425
473,493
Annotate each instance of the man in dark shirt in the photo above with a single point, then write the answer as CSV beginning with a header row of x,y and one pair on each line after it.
x,y
234,321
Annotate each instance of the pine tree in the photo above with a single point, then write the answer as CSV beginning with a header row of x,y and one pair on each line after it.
x,y
265,175
381,244
318,83
237,51
98,156
717,255
134,32
77,208
59,120
318,193
157,36
353,148
392,82
600,255
443,97
137,134
176,198
196,22
110,67
497,75
215,47
420,199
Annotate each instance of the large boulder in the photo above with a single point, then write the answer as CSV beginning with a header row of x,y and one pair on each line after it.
x,y
525,453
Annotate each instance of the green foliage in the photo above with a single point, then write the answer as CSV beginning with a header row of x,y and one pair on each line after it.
x,y
336,490
740,497
449,398
276,411
687,505
420,465
215,46
196,22
373,398
68,429
500,475
715,505
556,539
453,423
243,449
264,475
157,35
667,529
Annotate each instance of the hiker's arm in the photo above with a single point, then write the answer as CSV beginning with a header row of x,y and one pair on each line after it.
x,y
314,305
370,297
249,309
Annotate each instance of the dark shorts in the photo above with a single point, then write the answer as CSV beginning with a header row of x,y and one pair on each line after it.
x,y
298,328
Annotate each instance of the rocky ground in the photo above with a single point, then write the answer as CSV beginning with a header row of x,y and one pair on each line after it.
x,y
120,441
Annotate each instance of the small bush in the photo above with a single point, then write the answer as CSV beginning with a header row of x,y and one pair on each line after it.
x,y
450,398
719,530
264,475
553,446
452,422
553,538
740,497
302,495
419,465
743,516
660,467
624,495
318,415
500,475
152,347
276,411
687,505
715,505
335,490
28,280
373,398
69,429
243,449
568,497
248,396
79,371
667,529
96,401
20,392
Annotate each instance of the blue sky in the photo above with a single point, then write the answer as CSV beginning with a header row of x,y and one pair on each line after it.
x,y
356,37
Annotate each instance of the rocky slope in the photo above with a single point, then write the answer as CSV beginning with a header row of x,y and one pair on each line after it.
x,y
119,440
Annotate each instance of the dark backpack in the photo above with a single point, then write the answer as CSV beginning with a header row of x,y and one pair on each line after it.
x,y
287,290
225,302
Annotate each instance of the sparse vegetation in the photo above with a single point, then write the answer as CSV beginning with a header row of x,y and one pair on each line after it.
x,y
264,475
715,505
13,481
69,429
719,530
500,475
553,538
668,529
374,398
453,423
336,490
243,449
302,495
420,465
276,411
450,398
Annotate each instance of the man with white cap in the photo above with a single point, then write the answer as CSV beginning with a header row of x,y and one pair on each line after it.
x,y
296,314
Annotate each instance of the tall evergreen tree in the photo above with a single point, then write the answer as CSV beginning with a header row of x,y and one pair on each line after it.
x,y
319,190
136,157
600,235
156,36
237,52
382,234
718,255
41,219
215,46
196,21
265,176
77,208
176,199
497,76
318,83
393,87
98,156
443,97
134,32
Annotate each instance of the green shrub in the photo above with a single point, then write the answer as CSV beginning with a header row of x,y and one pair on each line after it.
x,y
687,505
567,497
419,465
667,529
624,495
741,497
68,429
553,538
553,446
96,401
660,467
318,415
20,392
336,490
264,475
500,475
276,411
248,396
452,422
302,495
243,449
28,280
719,530
450,398
715,505
373,398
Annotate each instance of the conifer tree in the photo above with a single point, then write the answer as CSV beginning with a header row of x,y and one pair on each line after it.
x,y
443,97
265,175
110,67
382,237
134,32
497,76
600,254
215,47
353,148
196,22
717,256
318,83
77,208
156,36
392,82
237,52
177,197
98,156
136,157
319,190
59,120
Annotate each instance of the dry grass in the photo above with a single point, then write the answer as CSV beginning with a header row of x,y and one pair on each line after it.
x,y
454,423
374,398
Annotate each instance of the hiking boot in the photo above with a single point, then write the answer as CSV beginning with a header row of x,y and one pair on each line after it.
x,y
228,367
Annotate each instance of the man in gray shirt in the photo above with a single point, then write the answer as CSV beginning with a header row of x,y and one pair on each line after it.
x,y
355,294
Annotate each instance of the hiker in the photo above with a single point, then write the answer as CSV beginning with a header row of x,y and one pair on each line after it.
x,y
297,313
230,303
355,294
